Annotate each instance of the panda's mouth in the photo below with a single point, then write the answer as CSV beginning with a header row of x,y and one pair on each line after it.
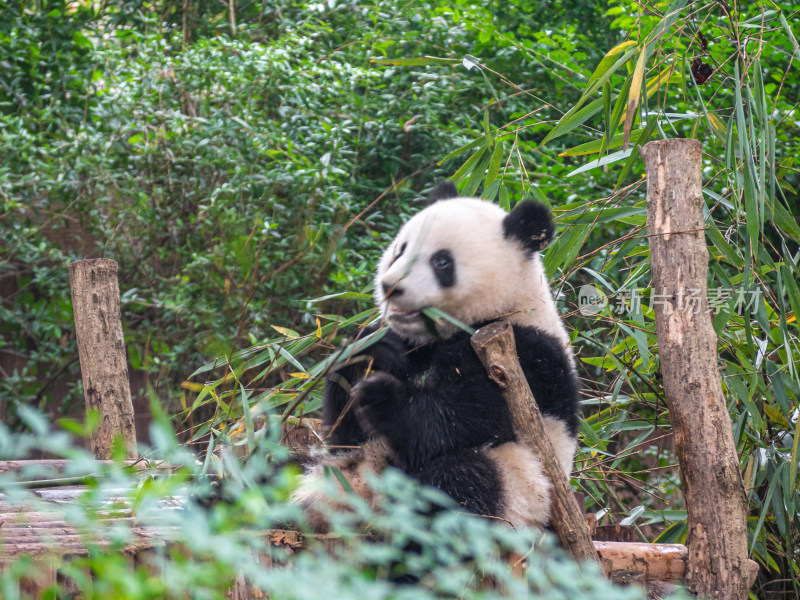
x,y
397,314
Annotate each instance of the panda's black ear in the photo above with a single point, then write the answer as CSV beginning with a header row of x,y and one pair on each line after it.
x,y
443,191
530,223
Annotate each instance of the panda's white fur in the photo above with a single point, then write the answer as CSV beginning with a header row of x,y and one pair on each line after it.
x,y
526,487
497,276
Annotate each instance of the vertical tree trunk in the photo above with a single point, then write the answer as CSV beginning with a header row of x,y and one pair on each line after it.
x,y
715,499
101,348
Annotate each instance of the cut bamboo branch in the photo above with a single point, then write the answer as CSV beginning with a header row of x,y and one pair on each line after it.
x,y
715,499
101,349
496,348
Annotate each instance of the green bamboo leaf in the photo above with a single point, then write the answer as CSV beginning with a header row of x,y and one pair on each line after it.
x,y
291,359
438,315
607,117
209,453
784,326
603,77
592,439
672,14
674,534
504,200
596,146
782,218
795,457
633,97
790,35
248,420
724,247
765,506
470,164
566,247
773,179
486,132
643,139
760,102
619,106
748,167
606,160
490,191
417,62
494,164
604,215
340,478
471,186
789,279
462,149
573,119
609,59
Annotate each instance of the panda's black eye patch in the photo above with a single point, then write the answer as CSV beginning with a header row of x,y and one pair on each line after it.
x,y
444,267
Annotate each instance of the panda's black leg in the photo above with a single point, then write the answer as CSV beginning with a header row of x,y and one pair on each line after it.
x,y
469,477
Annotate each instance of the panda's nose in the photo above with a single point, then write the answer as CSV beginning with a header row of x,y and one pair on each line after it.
x,y
391,289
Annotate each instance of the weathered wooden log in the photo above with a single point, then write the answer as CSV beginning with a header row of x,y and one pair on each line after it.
x,y
101,349
496,348
628,562
715,498
10,550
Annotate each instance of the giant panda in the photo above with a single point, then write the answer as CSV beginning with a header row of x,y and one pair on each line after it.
x,y
419,399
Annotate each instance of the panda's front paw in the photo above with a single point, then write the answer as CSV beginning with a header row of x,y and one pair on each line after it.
x,y
389,355
376,399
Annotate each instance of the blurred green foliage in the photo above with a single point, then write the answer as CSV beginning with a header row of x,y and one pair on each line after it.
x,y
246,171
199,551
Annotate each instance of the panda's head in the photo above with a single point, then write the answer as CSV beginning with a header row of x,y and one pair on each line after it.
x,y
470,259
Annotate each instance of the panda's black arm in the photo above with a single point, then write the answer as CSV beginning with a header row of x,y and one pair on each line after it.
x,y
548,368
401,413
453,405
446,412
386,355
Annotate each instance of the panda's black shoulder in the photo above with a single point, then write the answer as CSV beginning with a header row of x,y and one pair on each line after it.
x,y
550,373
455,349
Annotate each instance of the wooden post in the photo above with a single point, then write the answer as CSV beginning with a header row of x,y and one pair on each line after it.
x,y
101,349
497,350
715,498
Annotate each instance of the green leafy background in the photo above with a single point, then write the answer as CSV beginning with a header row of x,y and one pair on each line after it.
x,y
245,167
